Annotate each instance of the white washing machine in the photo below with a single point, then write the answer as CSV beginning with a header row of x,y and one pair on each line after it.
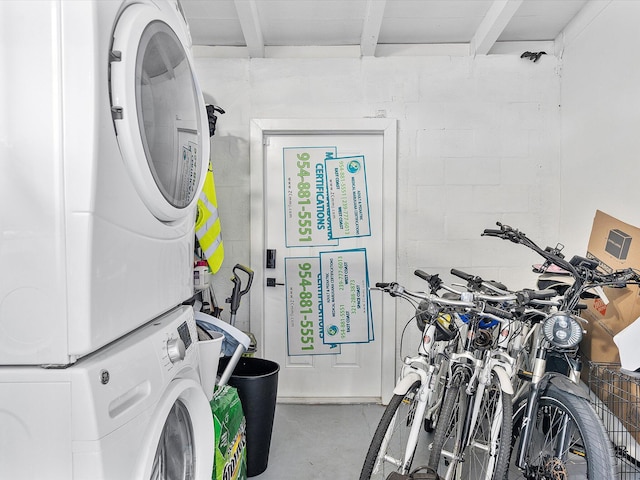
x,y
133,410
104,146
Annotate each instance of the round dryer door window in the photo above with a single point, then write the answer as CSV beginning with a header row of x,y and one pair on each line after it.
x,y
158,110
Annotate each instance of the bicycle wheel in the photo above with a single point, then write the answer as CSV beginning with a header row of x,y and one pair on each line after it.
x,y
486,454
568,441
448,434
389,443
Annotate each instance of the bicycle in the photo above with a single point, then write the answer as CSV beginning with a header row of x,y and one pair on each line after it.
x,y
520,334
473,434
481,436
418,391
556,432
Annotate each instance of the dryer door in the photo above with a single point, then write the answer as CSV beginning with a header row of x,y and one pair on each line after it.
x,y
158,110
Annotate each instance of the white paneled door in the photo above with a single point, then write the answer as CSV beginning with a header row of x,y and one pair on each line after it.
x,y
324,210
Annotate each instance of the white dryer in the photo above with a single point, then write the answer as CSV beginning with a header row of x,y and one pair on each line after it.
x,y
104,147
133,410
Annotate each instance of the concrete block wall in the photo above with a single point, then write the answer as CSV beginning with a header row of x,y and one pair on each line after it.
x,y
478,142
601,122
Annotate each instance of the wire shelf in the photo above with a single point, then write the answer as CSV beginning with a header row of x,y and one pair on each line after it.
x,y
616,398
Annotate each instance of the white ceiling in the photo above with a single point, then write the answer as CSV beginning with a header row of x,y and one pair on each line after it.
x,y
475,26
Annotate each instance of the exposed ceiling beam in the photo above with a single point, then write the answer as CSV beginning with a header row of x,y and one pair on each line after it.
x,y
497,18
575,27
250,24
371,27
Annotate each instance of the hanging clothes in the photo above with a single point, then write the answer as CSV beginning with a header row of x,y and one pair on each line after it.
x,y
208,229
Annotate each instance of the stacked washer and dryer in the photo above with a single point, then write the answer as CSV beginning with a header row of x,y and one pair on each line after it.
x,y
103,152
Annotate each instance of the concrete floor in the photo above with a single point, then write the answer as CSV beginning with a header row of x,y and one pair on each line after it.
x,y
329,442
317,442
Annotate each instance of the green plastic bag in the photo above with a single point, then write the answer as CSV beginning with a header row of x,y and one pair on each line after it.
x,y
231,435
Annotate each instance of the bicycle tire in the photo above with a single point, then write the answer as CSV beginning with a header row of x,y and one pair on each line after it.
x,y
589,455
454,401
472,460
396,422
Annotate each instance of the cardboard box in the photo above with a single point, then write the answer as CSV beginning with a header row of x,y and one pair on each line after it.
x,y
614,245
597,344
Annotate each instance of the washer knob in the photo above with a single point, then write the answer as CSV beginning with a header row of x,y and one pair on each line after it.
x,y
175,349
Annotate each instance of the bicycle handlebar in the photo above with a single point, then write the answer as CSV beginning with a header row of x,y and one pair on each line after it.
x,y
492,233
434,281
472,301
475,282
483,297
498,312
619,278
530,295
523,297
423,275
583,270
463,275
396,290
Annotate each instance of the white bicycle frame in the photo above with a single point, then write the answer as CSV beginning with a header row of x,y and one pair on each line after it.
x,y
424,368
500,363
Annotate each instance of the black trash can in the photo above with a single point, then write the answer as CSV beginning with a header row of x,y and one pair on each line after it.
x,y
256,380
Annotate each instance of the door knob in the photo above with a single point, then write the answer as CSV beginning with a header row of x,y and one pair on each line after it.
x,y
271,282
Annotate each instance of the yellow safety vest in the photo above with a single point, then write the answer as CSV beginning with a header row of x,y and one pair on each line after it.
x,y
208,230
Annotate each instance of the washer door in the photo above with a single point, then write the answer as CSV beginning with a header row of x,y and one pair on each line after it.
x,y
158,110
176,452
180,444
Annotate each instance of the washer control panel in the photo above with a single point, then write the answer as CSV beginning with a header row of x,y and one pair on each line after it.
x,y
177,346
177,337
185,334
176,349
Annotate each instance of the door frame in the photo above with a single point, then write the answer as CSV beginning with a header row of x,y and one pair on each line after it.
x,y
261,128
